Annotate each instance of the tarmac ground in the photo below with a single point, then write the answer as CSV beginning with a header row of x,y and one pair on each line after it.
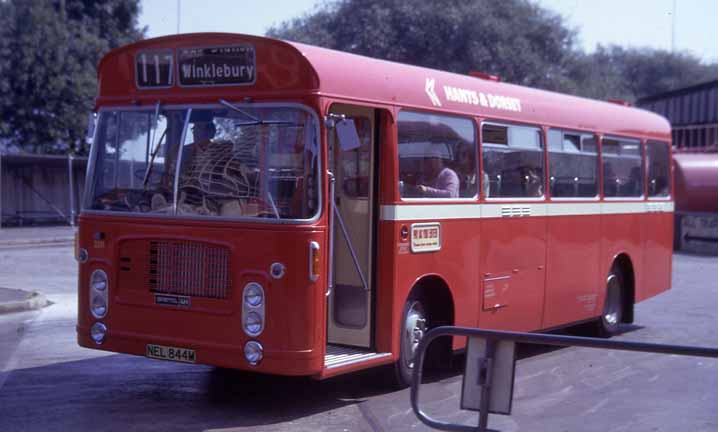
x,y
18,300
36,235
49,383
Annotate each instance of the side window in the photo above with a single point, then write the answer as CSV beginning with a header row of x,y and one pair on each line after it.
x,y
658,160
573,164
513,161
356,163
622,168
437,156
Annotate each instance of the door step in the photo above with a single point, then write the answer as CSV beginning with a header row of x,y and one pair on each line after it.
x,y
340,355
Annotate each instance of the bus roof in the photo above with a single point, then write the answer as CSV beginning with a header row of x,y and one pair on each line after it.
x,y
289,70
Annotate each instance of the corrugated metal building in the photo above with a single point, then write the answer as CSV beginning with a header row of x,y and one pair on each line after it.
x,y
40,189
693,113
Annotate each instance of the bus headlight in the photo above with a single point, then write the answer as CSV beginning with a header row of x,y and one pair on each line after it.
x,y
253,305
98,293
253,352
253,294
253,324
97,332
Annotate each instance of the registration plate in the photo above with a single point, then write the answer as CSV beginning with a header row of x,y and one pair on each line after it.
x,y
162,352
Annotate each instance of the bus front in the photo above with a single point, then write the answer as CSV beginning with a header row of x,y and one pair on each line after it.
x,y
200,239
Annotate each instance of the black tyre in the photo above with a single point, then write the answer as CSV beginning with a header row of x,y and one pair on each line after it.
x,y
413,328
612,315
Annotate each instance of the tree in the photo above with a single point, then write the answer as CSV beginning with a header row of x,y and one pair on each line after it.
x,y
645,71
515,39
48,76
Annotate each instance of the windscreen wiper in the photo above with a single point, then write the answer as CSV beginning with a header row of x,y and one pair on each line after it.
x,y
239,110
255,120
146,177
152,160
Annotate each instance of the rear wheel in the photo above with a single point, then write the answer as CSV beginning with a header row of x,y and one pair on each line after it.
x,y
612,315
413,328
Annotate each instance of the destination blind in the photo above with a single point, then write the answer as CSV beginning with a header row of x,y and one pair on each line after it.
x,y
216,66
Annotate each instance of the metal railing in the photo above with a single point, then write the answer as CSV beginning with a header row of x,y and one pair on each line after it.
x,y
486,359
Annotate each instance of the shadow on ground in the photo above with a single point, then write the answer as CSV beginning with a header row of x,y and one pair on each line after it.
x,y
121,392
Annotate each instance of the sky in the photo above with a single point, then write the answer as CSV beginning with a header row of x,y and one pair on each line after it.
x,y
630,23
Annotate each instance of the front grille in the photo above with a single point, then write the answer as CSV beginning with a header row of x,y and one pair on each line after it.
x,y
189,269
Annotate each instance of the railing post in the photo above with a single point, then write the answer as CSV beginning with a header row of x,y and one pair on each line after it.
x,y
492,370
1,185
71,181
485,378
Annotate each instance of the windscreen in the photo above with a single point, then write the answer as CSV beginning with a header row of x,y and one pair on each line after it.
x,y
242,161
135,153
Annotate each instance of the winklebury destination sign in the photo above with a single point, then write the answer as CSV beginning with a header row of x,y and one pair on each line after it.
x,y
216,66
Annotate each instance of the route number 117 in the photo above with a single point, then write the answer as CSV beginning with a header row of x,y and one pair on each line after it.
x,y
154,68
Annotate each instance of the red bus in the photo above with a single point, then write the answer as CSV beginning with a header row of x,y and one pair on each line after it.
x,y
271,206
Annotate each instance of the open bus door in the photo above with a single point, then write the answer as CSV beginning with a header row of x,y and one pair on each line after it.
x,y
351,161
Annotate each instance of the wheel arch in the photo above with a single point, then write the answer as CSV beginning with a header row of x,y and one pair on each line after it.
x,y
438,297
622,262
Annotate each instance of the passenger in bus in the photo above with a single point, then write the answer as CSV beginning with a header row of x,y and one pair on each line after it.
x,y
658,183
611,182
465,167
486,184
531,181
438,181
635,183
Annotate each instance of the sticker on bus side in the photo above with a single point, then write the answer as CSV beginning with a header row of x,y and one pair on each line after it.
x,y
471,97
425,237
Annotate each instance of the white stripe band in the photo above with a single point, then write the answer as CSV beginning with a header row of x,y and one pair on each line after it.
x,y
409,212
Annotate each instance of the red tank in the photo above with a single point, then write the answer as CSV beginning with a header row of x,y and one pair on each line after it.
x,y
696,182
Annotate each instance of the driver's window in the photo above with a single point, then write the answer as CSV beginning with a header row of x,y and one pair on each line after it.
x,y
133,149
136,160
137,146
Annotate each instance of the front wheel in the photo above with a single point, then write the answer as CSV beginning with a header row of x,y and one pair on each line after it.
x,y
612,315
413,328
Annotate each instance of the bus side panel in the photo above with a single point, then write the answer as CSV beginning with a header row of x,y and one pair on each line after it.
x,y
572,280
456,263
622,234
513,260
388,304
658,255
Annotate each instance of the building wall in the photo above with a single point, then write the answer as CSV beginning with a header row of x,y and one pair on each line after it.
x,y
693,114
36,189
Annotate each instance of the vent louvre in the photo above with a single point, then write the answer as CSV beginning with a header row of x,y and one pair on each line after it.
x,y
189,269
515,211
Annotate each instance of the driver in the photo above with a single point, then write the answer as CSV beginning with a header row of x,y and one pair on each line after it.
x,y
196,158
202,134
